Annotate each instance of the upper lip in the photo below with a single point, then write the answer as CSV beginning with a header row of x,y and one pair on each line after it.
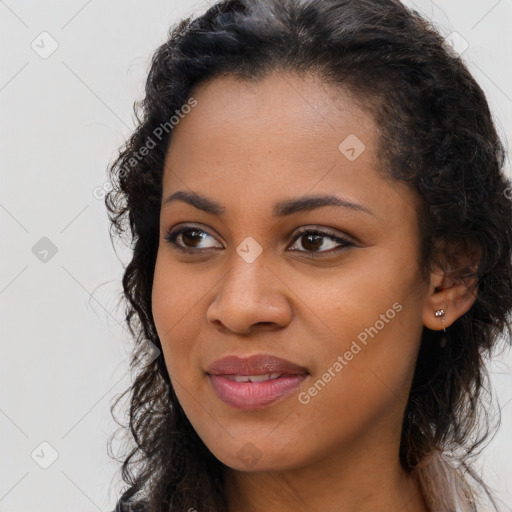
x,y
254,365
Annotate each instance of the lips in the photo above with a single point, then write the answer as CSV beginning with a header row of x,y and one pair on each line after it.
x,y
254,365
254,382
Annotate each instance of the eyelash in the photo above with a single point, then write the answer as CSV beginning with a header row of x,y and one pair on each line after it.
x,y
171,238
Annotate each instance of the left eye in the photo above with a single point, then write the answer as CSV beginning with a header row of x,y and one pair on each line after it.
x,y
314,240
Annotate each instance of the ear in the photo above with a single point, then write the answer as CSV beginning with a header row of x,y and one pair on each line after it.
x,y
453,285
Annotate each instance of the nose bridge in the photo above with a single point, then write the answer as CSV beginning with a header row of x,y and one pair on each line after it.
x,y
248,264
249,293
248,276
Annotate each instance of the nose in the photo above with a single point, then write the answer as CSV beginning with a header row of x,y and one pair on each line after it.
x,y
251,297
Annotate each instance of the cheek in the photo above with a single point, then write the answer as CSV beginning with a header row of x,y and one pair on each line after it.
x,y
362,379
176,307
376,300
374,316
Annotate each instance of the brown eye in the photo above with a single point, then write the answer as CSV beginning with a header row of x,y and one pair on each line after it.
x,y
315,241
311,241
189,238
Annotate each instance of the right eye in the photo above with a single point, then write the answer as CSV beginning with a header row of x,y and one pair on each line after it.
x,y
188,238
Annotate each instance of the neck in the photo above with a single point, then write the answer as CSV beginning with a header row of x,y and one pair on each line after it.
x,y
365,484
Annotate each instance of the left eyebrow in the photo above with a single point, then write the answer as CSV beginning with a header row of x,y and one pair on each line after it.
x,y
280,209
307,203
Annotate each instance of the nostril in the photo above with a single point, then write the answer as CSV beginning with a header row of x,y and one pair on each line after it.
x,y
265,325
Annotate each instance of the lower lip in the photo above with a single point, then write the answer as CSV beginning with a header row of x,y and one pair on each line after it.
x,y
254,395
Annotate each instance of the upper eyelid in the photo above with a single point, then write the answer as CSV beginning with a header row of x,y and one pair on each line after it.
x,y
184,227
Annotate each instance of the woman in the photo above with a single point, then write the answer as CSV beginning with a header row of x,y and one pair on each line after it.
x,y
322,242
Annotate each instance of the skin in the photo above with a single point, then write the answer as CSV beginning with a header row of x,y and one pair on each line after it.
x,y
246,146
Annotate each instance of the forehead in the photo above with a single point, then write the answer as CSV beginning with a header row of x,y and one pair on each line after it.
x,y
279,103
280,117
282,135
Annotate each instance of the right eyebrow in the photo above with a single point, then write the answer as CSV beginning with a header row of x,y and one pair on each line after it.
x,y
198,201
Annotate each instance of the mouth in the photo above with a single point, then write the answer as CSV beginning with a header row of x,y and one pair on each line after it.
x,y
253,378
251,383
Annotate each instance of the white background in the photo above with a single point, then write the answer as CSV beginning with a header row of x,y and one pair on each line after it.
x,y
63,350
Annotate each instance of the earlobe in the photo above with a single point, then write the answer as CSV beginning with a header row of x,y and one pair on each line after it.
x,y
447,300
453,284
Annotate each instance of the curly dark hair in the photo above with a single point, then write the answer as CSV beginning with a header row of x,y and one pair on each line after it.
x,y
436,134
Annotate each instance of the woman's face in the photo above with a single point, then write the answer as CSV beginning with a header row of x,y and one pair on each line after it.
x,y
332,287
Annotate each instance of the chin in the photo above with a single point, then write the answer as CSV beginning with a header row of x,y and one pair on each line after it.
x,y
255,454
